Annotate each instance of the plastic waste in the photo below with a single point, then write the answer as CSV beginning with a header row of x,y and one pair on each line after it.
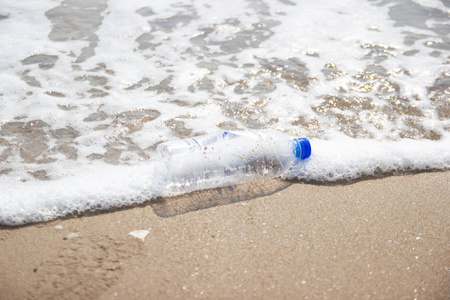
x,y
229,157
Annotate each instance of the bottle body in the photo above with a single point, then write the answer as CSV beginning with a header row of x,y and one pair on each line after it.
x,y
225,158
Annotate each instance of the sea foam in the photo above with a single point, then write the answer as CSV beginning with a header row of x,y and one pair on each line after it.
x,y
88,90
118,186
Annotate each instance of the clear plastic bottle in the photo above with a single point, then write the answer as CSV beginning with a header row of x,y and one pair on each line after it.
x,y
229,157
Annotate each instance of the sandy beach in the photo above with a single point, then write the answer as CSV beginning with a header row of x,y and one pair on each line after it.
x,y
382,238
91,91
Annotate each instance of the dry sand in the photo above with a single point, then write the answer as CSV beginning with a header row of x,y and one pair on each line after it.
x,y
383,239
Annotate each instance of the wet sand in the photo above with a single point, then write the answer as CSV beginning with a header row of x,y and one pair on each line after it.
x,y
383,238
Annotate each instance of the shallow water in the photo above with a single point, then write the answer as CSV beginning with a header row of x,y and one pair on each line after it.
x,y
91,87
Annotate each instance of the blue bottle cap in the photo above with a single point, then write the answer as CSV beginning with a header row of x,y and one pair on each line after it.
x,y
302,148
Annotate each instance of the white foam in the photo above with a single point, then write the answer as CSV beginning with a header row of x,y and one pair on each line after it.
x,y
85,189
433,4
346,158
352,35
93,189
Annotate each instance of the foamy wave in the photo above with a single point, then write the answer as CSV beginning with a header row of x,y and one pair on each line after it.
x,y
112,187
347,159
101,83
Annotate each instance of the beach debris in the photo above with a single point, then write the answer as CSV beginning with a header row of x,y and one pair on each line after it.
x,y
139,234
72,235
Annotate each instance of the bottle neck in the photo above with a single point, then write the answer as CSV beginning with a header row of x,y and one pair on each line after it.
x,y
301,148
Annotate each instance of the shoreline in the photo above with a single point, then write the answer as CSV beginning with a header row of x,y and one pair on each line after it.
x,y
384,237
238,193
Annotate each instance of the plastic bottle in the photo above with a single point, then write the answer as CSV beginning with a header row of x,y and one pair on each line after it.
x,y
229,157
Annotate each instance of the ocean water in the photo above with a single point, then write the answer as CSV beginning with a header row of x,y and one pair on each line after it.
x,y
89,88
